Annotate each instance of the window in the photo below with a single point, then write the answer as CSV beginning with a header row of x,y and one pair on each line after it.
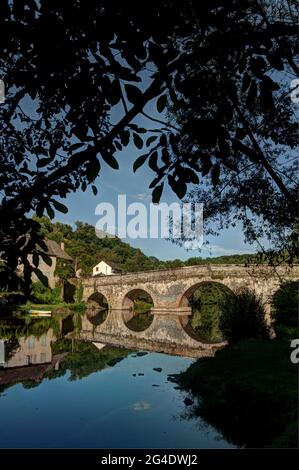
x,y
43,357
31,343
43,340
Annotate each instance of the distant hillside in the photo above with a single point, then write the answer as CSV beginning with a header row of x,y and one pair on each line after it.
x,y
87,250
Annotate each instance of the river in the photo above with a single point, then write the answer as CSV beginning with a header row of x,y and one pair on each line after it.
x,y
58,393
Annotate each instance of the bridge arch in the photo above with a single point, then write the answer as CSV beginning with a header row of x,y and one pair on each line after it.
x,y
186,295
97,308
205,298
136,309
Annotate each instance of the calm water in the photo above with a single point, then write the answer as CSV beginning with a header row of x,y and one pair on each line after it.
x,y
80,401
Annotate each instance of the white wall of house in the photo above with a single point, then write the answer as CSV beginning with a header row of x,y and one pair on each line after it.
x,y
102,268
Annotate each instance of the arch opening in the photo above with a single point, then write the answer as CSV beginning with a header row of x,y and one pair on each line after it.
x,y
97,308
137,306
206,300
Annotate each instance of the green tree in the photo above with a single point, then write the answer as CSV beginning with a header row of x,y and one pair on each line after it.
x,y
65,271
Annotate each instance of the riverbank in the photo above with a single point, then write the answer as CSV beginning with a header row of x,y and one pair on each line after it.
x,y
249,393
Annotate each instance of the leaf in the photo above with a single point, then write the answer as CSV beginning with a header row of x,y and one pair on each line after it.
x,y
269,83
133,93
139,130
157,179
125,138
161,103
60,207
153,161
110,160
41,277
94,189
206,165
165,156
50,211
178,186
215,174
93,168
43,162
35,259
190,176
266,98
157,193
137,141
258,66
150,140
118,145
46,259
276,61
75,146
139,162
115,93
40,150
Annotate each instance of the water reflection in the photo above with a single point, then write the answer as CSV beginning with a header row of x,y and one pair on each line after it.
x,y
103,398
26,351
96,315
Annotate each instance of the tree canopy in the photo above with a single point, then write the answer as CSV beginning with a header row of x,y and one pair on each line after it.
x,y
78,74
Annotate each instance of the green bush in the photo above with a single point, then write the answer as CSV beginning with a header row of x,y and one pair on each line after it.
x,y
79,293
243,316
44,295
285,310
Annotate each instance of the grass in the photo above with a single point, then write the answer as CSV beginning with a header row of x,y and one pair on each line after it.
x,y
35,306
249,393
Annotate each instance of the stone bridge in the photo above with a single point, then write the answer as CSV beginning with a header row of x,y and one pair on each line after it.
x,y
170,290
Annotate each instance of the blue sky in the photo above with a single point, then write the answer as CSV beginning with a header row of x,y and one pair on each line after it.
x,y
111,183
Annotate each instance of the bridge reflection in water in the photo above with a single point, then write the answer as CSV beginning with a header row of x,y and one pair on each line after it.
x,y
170,291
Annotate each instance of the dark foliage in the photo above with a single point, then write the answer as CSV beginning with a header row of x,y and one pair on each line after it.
x,y
285,310
220,68
243,316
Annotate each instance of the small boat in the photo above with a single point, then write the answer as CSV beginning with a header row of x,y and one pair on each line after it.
x,y
40,313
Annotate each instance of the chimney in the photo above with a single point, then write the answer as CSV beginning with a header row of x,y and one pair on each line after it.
x,y
62,245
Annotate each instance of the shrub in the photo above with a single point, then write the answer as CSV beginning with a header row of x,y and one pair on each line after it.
x,y
79,293
243,316
285,310
44,295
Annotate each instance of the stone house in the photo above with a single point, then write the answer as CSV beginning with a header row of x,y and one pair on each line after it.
x,y
55,252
